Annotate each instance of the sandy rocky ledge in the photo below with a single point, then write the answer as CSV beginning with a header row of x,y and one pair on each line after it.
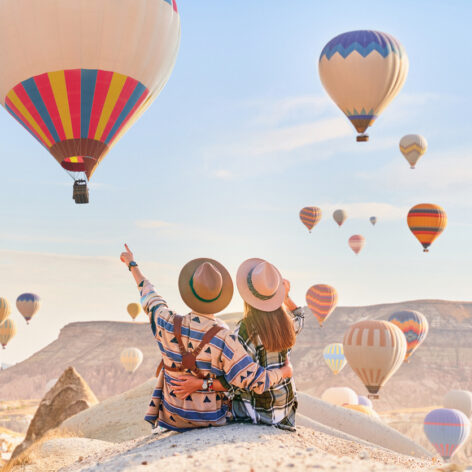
x,y
244,448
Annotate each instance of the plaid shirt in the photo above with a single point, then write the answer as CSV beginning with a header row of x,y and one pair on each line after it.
x,y
276,406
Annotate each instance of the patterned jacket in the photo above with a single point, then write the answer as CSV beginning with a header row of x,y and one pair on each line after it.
x,y
223,356
277,406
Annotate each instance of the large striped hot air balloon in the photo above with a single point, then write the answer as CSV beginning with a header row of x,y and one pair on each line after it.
x,y
310,216
356,243
446,430
459,400
7,332
333,355
414,326
77,74
28,305
413,146
133,310
131,358
321,300
339,216
375,350
5,309
363,71
426,221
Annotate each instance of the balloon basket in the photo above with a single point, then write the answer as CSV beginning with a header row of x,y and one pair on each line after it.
x,y
80,192
373,396
425,250
362,138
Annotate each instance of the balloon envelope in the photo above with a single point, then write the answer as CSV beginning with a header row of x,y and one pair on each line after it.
x,y
28,305
131,358
364,401
321,300
340,216
333,355
134,309
363,71
446,430
310,216
7,331
5,309
414,326
366,410
339,396
77,74
413,146
373,220
459,400
375,350
426,221
356,243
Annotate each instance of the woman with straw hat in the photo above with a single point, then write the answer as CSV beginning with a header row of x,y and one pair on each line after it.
x,y
199,344
267,332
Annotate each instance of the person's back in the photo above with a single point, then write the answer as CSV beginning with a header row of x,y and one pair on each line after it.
x,y
204,285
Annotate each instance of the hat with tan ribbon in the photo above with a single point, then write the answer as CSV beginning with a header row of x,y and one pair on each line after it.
x,y
260,284
205,286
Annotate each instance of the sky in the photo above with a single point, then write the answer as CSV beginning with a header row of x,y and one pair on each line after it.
x,y
241,138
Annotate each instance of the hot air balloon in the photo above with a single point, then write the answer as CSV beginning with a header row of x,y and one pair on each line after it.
x,y
373,220
426,221
446,430
414,326
366,410
413,146
5,309
340,216
131,359
364,401
375,350
321,300
77,75
28,305
339,396
310,216
363,71
134,309
7,331
356,243
459,400
333,355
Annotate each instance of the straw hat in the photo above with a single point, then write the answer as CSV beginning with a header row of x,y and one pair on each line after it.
x,y
205,286
260,284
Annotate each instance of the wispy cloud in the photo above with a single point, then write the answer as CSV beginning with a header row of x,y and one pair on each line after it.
x,y
152,224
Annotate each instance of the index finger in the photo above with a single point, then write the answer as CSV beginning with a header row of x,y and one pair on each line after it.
x,y
127,248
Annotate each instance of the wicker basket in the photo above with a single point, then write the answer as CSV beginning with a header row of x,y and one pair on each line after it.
x,y
80,193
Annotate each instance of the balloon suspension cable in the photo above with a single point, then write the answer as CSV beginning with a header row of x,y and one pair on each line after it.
x,y
362,138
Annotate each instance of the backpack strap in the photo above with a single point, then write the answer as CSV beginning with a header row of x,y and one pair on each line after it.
x,y
178,333
207,337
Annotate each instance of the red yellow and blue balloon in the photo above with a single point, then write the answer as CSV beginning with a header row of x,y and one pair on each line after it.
x,y
310,216
414,326
28,305
426,221
321,300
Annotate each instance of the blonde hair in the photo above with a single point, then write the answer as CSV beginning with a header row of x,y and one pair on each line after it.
x,y
274,328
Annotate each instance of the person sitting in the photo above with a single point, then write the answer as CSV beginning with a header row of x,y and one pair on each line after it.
x,y
267,332
197,343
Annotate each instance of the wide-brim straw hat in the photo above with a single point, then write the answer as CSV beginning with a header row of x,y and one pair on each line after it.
x,y
260,284
205,286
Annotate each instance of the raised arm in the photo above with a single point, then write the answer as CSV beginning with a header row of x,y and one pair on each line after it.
x,y
297,312
127,258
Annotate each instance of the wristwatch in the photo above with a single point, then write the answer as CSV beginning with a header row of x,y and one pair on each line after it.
x,y
205,384
132,264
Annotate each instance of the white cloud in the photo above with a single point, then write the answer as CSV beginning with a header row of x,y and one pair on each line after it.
x,y
152,224
223,174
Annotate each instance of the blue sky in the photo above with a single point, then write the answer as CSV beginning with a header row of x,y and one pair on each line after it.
x,y
240,139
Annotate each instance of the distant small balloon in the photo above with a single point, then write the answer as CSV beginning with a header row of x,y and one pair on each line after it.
x,y
373,220
340,216
310,217
340,396
426,221
28,305
356,243
413,146
134,309
364,401
333,355
5,309
321,300
131,358
459,400
446,430
7,332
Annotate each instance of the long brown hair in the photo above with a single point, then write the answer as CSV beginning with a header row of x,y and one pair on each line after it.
x,y
275,328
